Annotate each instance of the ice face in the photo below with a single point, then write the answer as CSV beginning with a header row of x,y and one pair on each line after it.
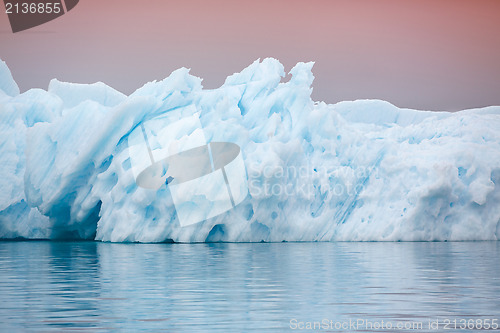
x,y
7,84
360,170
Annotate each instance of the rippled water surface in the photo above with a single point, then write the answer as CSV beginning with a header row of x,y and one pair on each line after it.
x,y
260,287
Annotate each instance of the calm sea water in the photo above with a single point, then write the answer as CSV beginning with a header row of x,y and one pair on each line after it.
x,y
89,286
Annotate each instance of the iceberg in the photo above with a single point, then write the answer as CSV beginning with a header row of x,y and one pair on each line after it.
x,y
361,170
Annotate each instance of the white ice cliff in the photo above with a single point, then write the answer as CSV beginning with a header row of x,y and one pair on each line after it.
x,y
362,170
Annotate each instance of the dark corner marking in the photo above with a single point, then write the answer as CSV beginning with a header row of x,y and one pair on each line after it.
x,y
27,14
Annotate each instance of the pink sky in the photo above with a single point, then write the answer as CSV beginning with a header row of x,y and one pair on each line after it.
x,y
425,54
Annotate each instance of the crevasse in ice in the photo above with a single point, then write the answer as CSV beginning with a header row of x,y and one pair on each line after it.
x,y
361,170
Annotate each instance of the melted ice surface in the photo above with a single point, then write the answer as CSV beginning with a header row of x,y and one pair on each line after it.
x,y
360,170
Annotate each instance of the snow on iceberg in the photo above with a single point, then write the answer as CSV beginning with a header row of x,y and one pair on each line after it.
x,y
362,170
